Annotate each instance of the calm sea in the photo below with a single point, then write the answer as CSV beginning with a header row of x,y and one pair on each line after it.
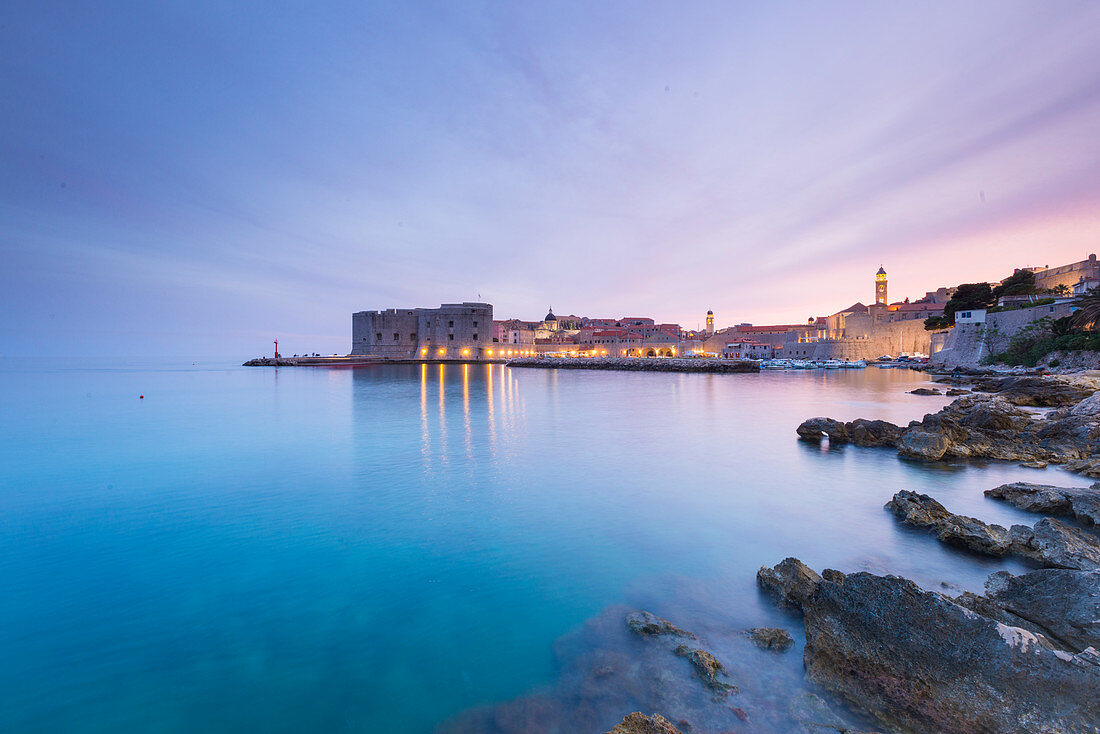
x,y
381,549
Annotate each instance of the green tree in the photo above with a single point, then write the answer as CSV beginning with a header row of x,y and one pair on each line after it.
x,y
968,296
1020,283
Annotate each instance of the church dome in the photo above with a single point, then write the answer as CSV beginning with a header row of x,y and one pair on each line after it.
x,y
550,317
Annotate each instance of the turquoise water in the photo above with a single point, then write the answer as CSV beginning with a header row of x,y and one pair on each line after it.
x,y
382,549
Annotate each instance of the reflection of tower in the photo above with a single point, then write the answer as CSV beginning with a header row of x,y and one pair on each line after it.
x,y
880,287
710,321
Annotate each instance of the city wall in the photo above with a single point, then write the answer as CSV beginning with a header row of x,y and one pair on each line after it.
x,y
869,342
967,344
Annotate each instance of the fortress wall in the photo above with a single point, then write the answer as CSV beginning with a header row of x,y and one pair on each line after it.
x,y
882,338
967,344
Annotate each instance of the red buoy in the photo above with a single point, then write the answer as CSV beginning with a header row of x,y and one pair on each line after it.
x,y
141,396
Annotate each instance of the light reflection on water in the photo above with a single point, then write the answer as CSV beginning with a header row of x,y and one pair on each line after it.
x,y
380,549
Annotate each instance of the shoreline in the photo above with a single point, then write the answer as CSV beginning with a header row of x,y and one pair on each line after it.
x,y
641,364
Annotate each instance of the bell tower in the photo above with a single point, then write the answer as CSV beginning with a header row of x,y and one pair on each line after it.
x,y
880,287
710,322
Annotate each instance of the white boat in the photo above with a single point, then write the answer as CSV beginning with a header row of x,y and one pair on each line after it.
x,y
832,364
857,365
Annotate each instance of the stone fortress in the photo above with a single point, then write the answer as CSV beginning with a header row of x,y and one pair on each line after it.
x,y
452,332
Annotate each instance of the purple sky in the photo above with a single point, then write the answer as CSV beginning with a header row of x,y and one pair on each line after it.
x,y
190,180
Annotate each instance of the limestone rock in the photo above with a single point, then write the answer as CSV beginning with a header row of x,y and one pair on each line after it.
x,y
771,638
925,391
1080,502
921,510
1064,604
991,609
639,723
920,662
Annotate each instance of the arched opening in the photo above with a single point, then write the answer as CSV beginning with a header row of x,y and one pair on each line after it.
x,y
650,353
665,353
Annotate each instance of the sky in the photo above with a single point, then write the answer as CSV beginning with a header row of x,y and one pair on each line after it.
x,y
199,178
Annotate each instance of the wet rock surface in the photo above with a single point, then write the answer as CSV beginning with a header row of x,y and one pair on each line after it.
x,y
1054,543
791,581
1034,391
925,391
920,510
1050,542
639,723
861,432
921,662
1082,503
1063,604
982,426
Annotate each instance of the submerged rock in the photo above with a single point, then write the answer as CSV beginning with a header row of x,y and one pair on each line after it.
x,y
771,638
968,532
925,391
920,662
1080,502
648,624
707,667
639,723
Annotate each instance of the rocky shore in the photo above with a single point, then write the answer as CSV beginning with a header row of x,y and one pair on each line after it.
x,y
921,661
639,364
1023,657
991,423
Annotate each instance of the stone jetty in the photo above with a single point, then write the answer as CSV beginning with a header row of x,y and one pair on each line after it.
x,y
639,364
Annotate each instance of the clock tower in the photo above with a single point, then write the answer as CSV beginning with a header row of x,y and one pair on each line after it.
x,y
880,287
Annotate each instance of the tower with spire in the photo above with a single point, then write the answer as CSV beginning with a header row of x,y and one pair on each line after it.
x,y
710,321
880,287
